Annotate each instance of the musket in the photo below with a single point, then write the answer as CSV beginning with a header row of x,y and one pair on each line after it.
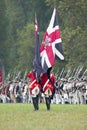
x,y
73,72
14,74
8,76
25,74
68,73
85,72
79,71
64,73
16,77
56,74
76,72
61,73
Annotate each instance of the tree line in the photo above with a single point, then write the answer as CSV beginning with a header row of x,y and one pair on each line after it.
x,y
17,36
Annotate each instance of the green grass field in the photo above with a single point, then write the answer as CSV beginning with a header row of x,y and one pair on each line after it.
x,y
60,117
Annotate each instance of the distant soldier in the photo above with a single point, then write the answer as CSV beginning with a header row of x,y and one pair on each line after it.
x,y
58,96
25,93
11,90
66,97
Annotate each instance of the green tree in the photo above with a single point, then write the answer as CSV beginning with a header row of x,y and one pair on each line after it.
x,y
16,20
74,31
3,34
26,47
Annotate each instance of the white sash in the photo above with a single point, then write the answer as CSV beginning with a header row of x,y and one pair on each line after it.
x,y
45,84
32,83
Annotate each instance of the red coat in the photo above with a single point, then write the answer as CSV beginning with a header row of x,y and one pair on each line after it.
x,y
47,83
34,85
31,76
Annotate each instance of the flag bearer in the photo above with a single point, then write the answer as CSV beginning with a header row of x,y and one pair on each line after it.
x,y
34,90
48,87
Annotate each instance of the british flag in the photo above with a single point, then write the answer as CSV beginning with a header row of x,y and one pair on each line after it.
x,y
51,47
37,60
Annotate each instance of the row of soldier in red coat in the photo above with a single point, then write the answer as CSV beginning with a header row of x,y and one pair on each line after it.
x,y
45,84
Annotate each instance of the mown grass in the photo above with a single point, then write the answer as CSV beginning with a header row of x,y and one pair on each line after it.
x,y
60,117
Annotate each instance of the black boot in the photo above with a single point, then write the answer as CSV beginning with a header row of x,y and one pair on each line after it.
x,y
47,102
